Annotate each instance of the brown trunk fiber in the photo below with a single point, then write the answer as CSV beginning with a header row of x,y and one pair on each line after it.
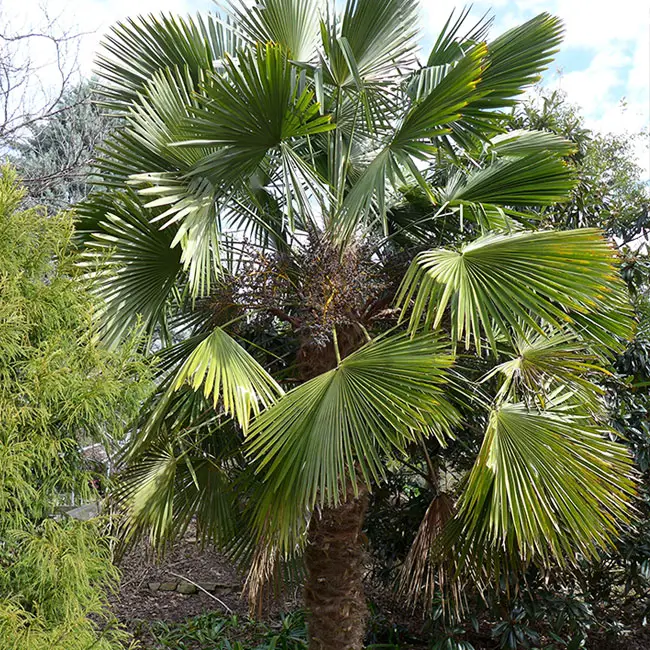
x,y
336,605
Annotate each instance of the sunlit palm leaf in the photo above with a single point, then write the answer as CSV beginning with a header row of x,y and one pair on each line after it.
x,y
522,143
345,422
517,58
545,486
183,474
513,62
543,363
137,48
258,104
449,46
412,139
499,282
533,179
371,41
167,101
230,376
294,24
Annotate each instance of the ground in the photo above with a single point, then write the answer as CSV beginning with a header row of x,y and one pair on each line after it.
x,y
158,618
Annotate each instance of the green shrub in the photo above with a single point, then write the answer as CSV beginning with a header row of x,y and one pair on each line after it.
x,y
59,389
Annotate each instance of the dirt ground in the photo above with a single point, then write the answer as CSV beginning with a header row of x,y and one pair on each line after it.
x,y
136,604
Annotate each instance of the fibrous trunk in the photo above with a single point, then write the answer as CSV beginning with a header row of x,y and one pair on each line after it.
x,y
334,597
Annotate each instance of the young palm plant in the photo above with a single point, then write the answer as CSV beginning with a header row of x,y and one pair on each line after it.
x,y
312,329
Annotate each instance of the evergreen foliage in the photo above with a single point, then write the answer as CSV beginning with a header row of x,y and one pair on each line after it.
x,y
59,389
253,213
54,157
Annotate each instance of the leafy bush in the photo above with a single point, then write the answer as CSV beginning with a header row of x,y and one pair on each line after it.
x,y
231,633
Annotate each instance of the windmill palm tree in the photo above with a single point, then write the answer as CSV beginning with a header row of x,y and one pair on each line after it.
x,y
312,329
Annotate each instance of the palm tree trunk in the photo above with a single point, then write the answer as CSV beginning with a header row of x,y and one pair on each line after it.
x,y
337,610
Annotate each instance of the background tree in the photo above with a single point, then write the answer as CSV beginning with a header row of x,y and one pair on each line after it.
x,y
247,222
28,52
54,155
59,389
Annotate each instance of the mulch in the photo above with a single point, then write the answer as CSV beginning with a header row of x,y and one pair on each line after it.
x,y
136,602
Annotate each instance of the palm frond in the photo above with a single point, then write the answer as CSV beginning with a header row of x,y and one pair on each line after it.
x,y
255,106
182,474
413,139
370,40
230,375
517,58
513,62
449,46
546,487
137,48
343,424
134,265
422,573
539,178
543,363
294,24
499,283
522,143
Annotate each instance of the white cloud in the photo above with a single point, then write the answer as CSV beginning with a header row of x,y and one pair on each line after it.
x,y
598,22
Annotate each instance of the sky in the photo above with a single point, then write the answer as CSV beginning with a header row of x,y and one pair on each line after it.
x,y
604,64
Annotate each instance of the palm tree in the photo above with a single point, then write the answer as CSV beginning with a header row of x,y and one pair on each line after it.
x,y
312,329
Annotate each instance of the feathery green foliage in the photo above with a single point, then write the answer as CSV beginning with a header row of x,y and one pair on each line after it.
x,y
59,389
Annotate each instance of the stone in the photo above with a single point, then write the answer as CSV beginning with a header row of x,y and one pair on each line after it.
x,y
208,586
186,588
168,586
154,586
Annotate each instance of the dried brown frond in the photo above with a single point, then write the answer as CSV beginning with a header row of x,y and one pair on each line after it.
x,y
425,571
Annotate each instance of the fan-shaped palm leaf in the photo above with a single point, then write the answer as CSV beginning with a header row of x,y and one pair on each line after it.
x,y
496,283
230,375
539,178
545,486
542,363
513,62
184,472
522,143
517,58
412,139
371,41
255,106
449,46
133,263
345,422
137,48
294,25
